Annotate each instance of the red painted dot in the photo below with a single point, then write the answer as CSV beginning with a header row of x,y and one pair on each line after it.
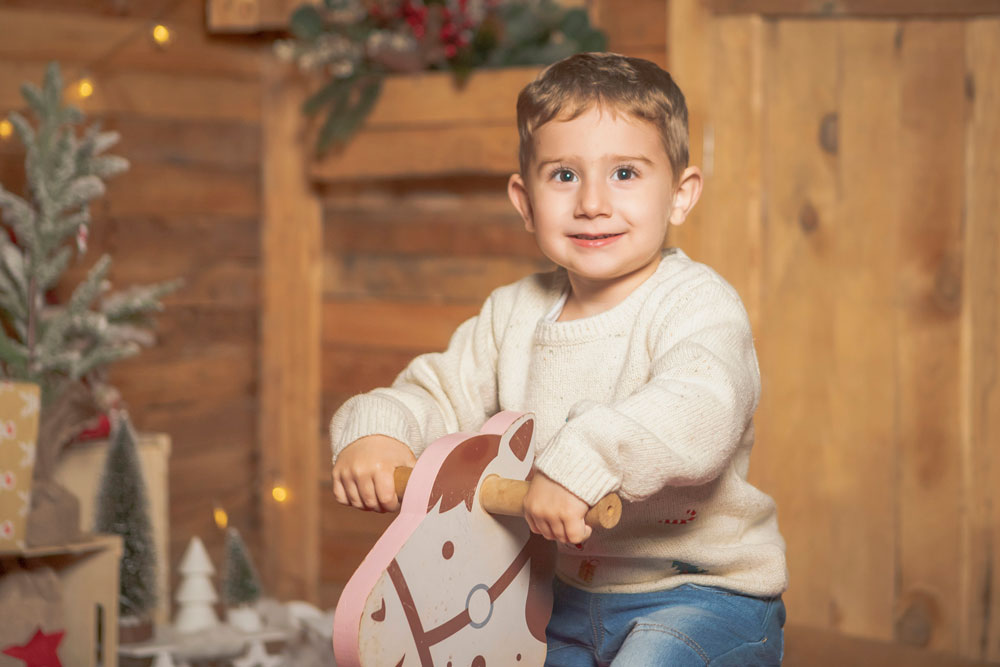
x,y
478,661
519,657
448,550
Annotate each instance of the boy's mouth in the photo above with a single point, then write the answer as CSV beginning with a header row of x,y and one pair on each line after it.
x,y
594,237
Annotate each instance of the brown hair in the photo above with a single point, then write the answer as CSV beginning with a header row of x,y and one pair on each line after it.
x,y
634,86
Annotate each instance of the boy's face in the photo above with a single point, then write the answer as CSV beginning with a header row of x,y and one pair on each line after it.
x,y
599,196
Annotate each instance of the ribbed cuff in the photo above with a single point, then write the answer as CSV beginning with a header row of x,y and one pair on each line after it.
x,y
580,469
369,414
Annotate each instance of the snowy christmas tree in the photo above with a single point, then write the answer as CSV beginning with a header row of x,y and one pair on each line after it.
x,y
123,509
240,584
54,344
195,596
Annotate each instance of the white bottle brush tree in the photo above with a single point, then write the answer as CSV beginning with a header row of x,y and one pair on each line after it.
x,y
195,596
57,345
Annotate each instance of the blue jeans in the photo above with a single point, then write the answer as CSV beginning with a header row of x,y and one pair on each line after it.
x,y
689,625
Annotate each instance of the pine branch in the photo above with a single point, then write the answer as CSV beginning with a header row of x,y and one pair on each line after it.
x,y
50,272
20,215
12,280
80,192
12,353
25,132
91,287
102,356
135,301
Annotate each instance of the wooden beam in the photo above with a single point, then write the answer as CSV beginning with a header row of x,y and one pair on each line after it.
x,y
290,342
249,16
857,8
429,126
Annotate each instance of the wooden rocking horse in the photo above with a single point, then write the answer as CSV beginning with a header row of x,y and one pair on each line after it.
x,y
457,579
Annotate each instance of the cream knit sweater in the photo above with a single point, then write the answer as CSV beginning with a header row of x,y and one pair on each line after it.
x,y
653,398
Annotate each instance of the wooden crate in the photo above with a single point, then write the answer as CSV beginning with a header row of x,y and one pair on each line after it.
x,y
79,470
88,572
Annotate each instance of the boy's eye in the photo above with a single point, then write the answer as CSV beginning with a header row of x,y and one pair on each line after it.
x,y
565,176
624,173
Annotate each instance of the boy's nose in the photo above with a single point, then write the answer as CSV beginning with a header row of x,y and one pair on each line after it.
x,y
594,200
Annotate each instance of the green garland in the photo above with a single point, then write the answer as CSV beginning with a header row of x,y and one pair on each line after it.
x,y
355,44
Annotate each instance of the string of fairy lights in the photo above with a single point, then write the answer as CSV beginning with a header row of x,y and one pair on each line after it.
x,y
84,86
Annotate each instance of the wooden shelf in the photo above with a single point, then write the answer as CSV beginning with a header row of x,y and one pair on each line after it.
x,y
425,125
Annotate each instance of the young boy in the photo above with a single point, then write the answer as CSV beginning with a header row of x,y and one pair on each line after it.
x,y
640,368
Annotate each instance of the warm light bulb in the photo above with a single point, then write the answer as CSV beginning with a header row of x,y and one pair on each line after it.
x,y
279,493
6,129
161,34
221,518
85,88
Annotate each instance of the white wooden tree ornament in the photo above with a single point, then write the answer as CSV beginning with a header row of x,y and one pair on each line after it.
x,y
196,596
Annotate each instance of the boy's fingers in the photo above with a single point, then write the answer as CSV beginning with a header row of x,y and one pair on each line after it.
x,y
366,489
385,491
578,532
351,490
338,491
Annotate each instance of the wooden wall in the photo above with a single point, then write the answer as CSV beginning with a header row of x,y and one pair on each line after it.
x,y
851,199
850,151
189,116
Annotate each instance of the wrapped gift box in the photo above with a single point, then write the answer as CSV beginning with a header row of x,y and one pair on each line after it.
x,y
19,403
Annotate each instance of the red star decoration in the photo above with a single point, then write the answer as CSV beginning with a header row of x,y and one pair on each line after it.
x,y
40,651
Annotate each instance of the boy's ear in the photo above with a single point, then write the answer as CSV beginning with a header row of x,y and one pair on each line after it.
x,y
518,193
686,195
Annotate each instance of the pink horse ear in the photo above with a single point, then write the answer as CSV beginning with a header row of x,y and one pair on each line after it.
x,y
520,442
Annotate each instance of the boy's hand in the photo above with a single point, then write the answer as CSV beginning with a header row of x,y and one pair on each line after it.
x,y
554,512
362,475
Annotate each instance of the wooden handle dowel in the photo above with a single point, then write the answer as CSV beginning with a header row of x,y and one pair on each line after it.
x,y
499,495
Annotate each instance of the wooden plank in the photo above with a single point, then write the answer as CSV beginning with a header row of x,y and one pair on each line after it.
x,y
445,129
440,278
860,266
795,426
726,232
398,326
979,604
429,151
191,13
217,421
227,372
122,43
249,16
355,369
222,144
488,97
178,190
814,647
290,343
151,94
395,226
857,8
643,25
932,131
689,58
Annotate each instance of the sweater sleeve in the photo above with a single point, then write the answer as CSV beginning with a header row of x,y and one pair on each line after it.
x,y
682,427
437,393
